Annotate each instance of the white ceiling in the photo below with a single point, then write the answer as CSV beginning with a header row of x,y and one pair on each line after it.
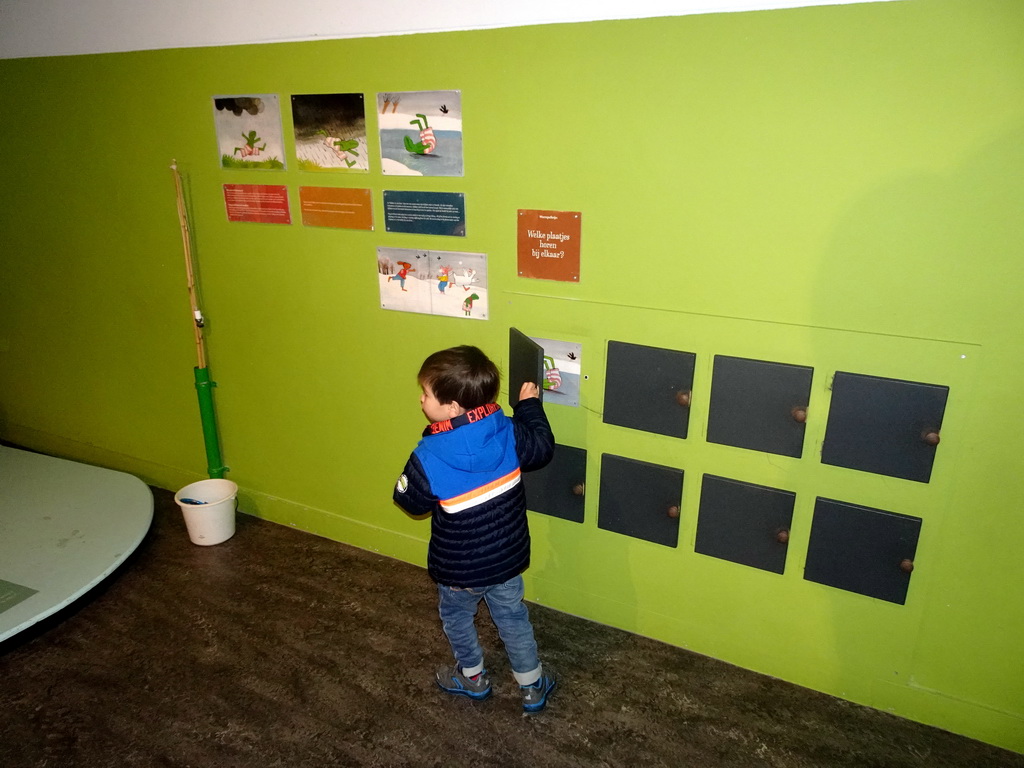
x,y
69,27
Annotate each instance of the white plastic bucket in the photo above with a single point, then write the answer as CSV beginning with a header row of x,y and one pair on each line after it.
x,y
209,510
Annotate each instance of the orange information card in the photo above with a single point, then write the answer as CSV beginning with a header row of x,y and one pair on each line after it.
x,y
339,207
549,245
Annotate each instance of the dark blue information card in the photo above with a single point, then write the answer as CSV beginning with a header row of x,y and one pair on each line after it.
x,y
425,213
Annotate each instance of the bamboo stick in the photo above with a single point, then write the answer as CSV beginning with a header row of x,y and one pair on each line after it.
x,y
186,240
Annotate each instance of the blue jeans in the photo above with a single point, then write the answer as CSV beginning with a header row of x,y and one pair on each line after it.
x,y
458,606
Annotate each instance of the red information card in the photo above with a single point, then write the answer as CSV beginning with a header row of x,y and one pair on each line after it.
x,y
260,203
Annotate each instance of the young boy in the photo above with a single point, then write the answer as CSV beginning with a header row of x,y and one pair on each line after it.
x,y
465,471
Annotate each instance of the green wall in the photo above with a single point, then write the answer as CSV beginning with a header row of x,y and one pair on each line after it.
x,y
838,187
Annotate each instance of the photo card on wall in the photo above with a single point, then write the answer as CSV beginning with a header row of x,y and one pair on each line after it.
x,y
330,132
446,283
249,132
561,370
420,133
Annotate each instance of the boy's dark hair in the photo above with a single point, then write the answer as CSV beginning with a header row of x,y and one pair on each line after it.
x,y
463,375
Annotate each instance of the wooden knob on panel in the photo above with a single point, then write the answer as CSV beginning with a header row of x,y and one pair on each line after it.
x,y
907,565
799,414
673,511
579,489
931,437
683,397
782,536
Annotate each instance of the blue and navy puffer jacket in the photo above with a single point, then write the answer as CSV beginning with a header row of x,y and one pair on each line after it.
x,y
466,473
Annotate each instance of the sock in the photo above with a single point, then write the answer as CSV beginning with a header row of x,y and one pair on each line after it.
x,y
537,675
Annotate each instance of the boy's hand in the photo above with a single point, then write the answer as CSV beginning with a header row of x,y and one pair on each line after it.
x,y
528,390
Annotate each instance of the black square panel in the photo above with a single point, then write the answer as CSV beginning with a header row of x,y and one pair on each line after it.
x,y
863,550
648,388
525,363
640,499
759,405
886,426
558,488
745,523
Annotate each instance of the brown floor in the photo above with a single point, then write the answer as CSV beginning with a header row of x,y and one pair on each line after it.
x,y
278,648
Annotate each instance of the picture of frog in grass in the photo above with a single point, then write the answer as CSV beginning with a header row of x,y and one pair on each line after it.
x,y
249,149
256,119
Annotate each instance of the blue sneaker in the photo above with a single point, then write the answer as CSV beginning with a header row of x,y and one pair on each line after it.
x,y
536,696
452,680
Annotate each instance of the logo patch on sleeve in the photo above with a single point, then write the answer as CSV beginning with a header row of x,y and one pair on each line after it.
x,y
402,485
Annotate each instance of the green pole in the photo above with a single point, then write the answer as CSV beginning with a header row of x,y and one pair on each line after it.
x,y
204,388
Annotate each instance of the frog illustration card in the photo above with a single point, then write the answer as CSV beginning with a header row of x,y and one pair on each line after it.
x,y
420,133
561,371
249,131
330,132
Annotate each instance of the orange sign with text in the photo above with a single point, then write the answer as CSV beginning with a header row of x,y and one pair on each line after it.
x,y
339,207
549,245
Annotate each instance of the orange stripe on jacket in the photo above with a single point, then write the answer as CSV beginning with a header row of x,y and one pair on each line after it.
x,y
483,493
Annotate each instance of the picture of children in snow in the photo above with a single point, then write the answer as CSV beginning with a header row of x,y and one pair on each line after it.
x,y
249,131
561,371
403,272
433,282
330,132
420,133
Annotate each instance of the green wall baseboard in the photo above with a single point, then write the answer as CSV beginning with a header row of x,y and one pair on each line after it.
x,y
909,701
967,718
331,525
